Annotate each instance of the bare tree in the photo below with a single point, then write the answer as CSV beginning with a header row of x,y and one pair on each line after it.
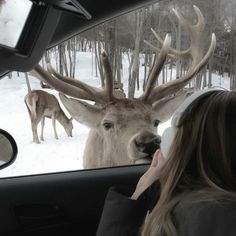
x,y
27,82
134,67
2,2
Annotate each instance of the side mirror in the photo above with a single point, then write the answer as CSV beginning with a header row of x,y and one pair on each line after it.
x,y
8,149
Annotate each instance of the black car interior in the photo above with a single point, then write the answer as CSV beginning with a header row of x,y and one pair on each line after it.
x,y
67,203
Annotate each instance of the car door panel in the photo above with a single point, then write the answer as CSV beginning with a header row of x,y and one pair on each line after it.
x,y
59,203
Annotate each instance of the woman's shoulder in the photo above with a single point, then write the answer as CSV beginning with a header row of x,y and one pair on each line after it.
x,y
206,214
206,199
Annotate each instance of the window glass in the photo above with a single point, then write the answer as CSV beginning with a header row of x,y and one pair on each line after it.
x,y
131,59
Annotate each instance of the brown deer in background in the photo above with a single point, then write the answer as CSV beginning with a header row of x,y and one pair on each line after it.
x,y
124,131
41,105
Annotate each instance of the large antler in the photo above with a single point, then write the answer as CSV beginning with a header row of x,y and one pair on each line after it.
x,y
194,52
80,90
76,88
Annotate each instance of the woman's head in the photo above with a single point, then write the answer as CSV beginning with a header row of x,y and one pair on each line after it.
x,y
202,155
204,149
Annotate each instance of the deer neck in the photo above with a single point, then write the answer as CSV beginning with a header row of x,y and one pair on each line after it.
x,y
95,155
93,151
62,118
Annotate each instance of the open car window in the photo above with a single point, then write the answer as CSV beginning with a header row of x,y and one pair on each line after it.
x,y
131,59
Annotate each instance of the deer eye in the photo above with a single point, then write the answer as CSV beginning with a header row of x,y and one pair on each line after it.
x,y
108,125
156,123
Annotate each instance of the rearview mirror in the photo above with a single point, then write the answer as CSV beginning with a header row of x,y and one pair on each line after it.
x,y
8,149
38,24
12,20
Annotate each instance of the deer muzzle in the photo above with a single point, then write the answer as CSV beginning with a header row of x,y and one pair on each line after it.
x,y
148,143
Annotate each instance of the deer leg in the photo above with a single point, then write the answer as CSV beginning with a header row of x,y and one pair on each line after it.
x,y
54,126
42,127
35,133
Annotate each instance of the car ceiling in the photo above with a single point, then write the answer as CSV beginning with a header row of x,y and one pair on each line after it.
x,y
70,24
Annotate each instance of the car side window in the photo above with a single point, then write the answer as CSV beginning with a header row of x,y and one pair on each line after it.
x,y
108,105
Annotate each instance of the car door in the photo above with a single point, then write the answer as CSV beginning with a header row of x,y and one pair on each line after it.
x,y
68,203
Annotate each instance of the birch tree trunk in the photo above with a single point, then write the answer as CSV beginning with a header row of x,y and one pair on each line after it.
x,y
27,82
134,72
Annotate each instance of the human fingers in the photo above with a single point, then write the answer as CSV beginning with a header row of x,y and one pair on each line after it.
x,y
155,158
160,159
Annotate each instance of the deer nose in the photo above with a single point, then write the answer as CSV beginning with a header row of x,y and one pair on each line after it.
x,y
148,143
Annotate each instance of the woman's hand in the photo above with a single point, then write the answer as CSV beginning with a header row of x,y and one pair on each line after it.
x,y
150,176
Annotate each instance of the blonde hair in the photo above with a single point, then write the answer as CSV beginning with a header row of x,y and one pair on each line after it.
x,y
202,158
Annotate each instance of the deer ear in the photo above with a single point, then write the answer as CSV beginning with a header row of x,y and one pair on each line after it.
x,y
167,106
83,112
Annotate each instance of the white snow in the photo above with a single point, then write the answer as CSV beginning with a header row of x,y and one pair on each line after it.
x,y
51,155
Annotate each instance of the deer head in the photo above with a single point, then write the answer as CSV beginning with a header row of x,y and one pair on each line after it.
x,y
124,131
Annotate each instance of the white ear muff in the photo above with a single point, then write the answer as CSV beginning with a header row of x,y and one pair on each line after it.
x,y
167,139
177,120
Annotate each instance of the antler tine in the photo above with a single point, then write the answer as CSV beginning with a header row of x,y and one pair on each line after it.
x,y
195,52
174,85
156,48
173,52
79,84
181,19
199,26
108,77
65,87
201,22
157,68
200,19
195,32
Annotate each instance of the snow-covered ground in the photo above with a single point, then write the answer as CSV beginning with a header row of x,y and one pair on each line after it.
x,y
51,155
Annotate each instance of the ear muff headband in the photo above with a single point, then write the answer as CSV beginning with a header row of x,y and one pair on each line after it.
x,y
167,139
179,116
